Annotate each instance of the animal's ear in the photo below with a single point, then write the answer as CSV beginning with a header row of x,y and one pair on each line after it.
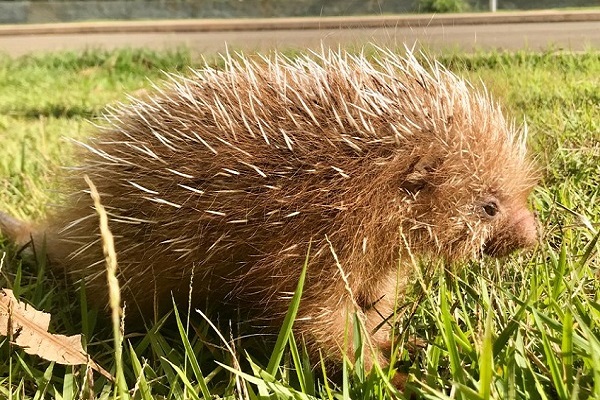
x,y
420,174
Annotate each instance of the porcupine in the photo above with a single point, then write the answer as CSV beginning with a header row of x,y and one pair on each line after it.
x,y
233,174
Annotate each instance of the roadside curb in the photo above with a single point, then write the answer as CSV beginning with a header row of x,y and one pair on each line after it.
x,y
312,23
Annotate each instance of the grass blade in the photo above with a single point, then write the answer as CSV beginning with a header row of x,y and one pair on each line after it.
x,y
190,355
448,335
567,350
142,383
486,359
551,361
286,328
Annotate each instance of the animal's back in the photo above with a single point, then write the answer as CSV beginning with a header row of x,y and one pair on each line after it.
x,y
231,174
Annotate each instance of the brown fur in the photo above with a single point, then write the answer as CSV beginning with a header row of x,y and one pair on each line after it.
x,y
231,174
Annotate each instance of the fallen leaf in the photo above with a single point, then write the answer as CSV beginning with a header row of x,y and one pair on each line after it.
x,y
27,328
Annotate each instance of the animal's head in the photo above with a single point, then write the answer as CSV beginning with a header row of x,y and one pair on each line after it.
x,y
465,204
468,178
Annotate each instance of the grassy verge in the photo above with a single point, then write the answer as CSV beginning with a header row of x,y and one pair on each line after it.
x,y
526,327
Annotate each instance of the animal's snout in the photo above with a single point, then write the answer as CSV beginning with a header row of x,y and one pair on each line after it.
x,y
519,232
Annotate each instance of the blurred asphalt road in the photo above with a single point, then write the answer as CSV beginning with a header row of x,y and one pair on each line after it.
x,y
437,34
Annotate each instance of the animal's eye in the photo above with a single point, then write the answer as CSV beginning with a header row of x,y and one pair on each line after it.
x,y
490,209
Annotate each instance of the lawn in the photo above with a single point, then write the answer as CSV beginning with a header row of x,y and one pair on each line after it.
x,y
522,327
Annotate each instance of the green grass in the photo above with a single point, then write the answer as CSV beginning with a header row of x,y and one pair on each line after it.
x,y
526,327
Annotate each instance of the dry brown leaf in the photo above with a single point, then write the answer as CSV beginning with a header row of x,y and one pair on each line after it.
x,y
27,328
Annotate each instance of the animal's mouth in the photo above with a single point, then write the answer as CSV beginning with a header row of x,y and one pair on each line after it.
x,y
493,248
506,244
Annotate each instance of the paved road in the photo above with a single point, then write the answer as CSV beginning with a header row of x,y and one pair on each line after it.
x,y
534,36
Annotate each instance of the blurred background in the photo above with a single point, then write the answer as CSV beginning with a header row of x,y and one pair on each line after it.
x,y
13,12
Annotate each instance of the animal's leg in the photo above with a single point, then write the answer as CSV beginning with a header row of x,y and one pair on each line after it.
x,y
328,332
